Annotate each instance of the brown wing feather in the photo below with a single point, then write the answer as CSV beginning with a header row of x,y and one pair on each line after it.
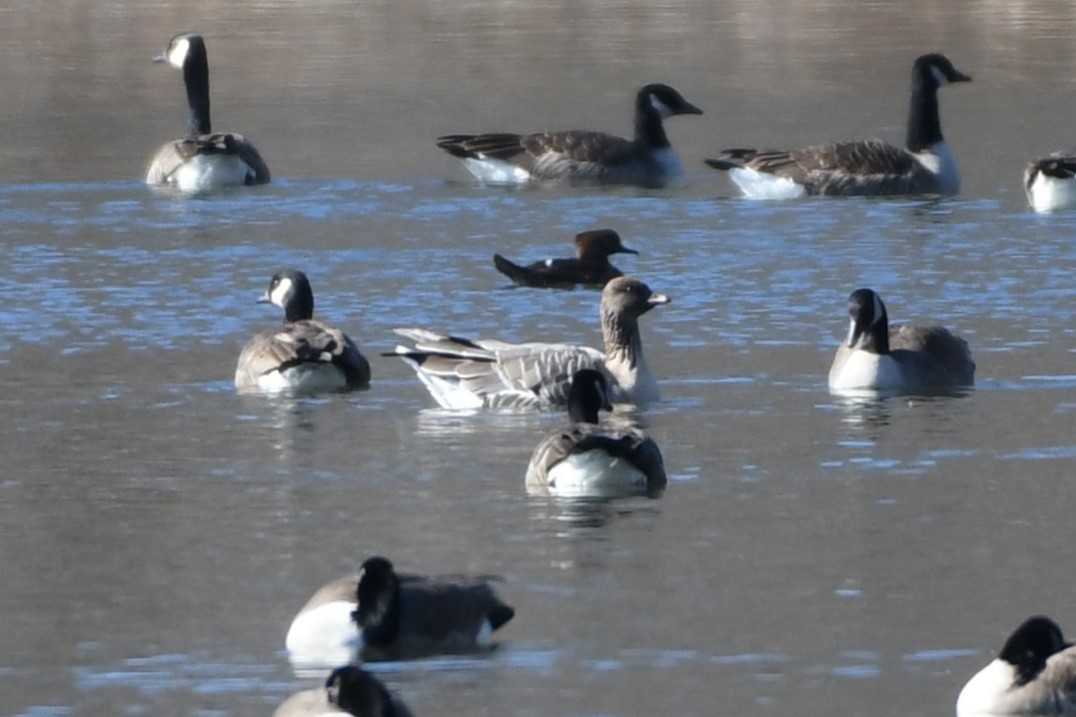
x,y
302,342
945,358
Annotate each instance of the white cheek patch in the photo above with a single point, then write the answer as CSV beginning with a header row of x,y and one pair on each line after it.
x,y
549,262
851,333
939,76
177,54
280,292
661,108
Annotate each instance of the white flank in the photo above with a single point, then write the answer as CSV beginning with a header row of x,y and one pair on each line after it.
x,y
594,473
760,185
485,632
1048,194
495,171
304,378
205,172
939,161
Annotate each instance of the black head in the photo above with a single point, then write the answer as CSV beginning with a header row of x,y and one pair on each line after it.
x,y
664,100
290,290
377,591
1030,645
627,295
184,46
599,243
936,69
869,321
359,693
589,394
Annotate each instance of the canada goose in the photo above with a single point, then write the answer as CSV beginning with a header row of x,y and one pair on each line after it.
x,y
588,459
1034,674
465,373
902,358
590,266
647,159
204,159
306,355
1050,182
349,690
408,615
868,168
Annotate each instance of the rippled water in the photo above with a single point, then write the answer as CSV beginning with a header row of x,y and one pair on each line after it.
x,y
810,556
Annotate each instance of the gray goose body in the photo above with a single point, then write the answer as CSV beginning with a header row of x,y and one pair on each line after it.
x,y
587,458
647,159
589,267
466,373
877,356
1033,675
861,168
203,160
304,355
411,616
348,690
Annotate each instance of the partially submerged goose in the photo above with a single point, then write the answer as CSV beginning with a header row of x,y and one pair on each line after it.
x,y
877,356
590,266
868,168
305,355
589,459
1050,182
348,690
647,159
203,160
466,373
1034,674
407,616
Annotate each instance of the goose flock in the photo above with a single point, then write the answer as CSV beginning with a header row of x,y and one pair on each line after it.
x,y
380,614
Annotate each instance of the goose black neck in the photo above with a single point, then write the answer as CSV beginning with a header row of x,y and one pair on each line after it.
x,y
583,405
924,122
196,78
300,305
876,336
649,129
379,611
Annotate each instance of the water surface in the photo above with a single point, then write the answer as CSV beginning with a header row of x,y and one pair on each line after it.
x,y
811,556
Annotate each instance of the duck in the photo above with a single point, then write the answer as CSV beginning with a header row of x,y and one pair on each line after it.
x,y
590,266
305,356
462,373
1050,182
1034,674
587,458
204,160
925,165
876,356
646,160
412,615
349,690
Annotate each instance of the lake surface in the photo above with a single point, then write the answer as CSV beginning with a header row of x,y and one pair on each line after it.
x,y
811,556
